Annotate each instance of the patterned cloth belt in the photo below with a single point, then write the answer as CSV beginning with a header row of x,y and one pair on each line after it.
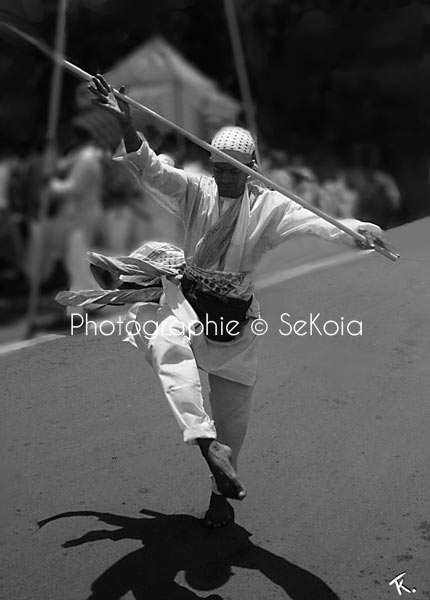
x,y
217,282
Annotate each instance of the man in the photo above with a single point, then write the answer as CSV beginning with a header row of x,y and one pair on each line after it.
x,y
229,223
77,193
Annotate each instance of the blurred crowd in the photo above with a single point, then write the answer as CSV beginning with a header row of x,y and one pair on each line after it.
x,y
94,203
363,193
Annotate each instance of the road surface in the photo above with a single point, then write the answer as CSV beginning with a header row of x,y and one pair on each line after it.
x,y
103,501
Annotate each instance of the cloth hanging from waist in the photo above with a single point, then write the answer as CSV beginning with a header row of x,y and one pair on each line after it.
x,y
221,317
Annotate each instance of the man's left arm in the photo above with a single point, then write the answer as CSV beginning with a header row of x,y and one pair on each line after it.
x,y
291,220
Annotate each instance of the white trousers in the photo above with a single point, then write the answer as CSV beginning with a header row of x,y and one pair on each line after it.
x,y
170,353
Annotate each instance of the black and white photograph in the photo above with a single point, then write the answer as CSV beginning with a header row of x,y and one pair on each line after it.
x,y
215,299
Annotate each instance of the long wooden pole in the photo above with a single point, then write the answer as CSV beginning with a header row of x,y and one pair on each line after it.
x,y
379,247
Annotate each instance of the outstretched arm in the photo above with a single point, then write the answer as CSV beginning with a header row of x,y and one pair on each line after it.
x,y
290,220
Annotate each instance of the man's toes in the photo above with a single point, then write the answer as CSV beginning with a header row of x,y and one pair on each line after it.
x,y
217,523
242,493
231,488
219,513
240,490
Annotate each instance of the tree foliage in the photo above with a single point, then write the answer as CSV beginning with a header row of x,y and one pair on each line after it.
x,y
341,70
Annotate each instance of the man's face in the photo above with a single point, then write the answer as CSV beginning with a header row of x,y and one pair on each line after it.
x,y
230,181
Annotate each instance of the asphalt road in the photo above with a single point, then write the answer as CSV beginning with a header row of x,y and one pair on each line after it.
x,y
102,499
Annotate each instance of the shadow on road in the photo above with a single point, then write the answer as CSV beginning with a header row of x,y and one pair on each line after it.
x,y
176,543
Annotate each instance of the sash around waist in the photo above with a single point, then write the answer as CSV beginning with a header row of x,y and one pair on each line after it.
x,y
190,287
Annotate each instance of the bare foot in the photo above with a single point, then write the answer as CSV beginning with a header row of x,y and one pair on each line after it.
x,y
218,458
219,513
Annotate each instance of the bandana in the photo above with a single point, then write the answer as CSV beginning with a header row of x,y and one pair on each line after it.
x,y
234,141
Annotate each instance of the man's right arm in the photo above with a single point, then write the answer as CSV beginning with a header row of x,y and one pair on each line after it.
x,y
166,184
132,141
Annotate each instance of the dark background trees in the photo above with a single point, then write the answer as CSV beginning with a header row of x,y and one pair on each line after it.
x,y
329,77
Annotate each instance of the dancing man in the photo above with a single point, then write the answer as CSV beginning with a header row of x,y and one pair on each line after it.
x,y
229,221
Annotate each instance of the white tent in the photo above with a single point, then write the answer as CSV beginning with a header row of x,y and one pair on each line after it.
x,y
159,77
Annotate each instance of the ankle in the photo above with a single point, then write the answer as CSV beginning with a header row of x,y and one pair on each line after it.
x,y
204,444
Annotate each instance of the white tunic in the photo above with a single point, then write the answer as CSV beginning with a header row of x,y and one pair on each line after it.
x,y
270,219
